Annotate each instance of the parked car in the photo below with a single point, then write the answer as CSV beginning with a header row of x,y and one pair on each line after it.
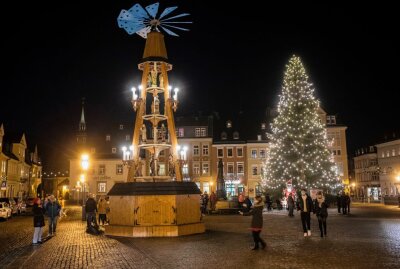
x,y
5,211
11,203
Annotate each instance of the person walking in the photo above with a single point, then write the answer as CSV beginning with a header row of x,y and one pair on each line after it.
x,y
290,202
91,208
102,210
204,203
38,221
321,210
256,222
305,205
53,212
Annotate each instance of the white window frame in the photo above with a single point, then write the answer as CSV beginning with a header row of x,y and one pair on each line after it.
x,y
237,168
227,152
237,152
196,168
228,165
119,169
203,166
262,156
162,171
101,187
203,132
220,156
196,149
205,150
197,132
252,155
108,137
121,126
113,150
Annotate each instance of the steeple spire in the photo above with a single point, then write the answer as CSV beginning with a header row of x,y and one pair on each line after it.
x,y
82,123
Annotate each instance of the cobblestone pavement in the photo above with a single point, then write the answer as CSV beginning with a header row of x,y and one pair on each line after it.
x,y
367,238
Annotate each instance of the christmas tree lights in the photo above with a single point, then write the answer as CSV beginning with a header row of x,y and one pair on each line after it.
x,y
298,142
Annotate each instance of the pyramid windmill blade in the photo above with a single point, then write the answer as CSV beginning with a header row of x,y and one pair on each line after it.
x,y
153,9
168,31
167,11
143,32
176,27
131,24
138,12
177,16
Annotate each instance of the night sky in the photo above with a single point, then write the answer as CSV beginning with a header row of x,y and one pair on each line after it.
x,y
232,60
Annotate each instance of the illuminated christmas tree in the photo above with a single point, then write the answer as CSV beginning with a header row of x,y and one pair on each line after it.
x,y
298,142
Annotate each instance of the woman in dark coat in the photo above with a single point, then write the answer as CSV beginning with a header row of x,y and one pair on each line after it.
x,y
38,221
256,222
321,210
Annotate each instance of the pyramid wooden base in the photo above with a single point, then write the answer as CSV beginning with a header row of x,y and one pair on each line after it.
x,y
155,231
154,209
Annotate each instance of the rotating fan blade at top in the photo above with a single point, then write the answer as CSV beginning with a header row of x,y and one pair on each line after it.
x,y
141,20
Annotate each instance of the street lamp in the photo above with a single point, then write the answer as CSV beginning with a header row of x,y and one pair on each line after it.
x,y
85,167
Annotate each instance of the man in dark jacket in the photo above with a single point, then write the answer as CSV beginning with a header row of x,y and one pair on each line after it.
x,y
91,209
338,202
290,203
53,211
343,202
256,222
305,205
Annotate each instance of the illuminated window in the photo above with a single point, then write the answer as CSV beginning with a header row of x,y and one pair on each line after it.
x,y
393,152
197,132
161,172
181,132
203,132
101,186
121,126
196,168
206,168
127,137
254,153
120,169
108,137
228,124
262,153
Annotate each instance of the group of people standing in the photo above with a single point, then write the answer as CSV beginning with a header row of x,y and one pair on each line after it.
x,y
101,208
343,203
49,207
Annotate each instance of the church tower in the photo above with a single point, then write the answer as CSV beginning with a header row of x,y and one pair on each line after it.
x,y
82,135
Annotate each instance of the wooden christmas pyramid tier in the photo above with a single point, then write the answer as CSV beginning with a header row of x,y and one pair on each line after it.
x,y
154,188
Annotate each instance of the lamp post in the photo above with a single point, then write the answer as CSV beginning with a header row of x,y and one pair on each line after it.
x,y
85,167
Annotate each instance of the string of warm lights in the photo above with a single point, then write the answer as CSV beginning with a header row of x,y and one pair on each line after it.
x,y
298,142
